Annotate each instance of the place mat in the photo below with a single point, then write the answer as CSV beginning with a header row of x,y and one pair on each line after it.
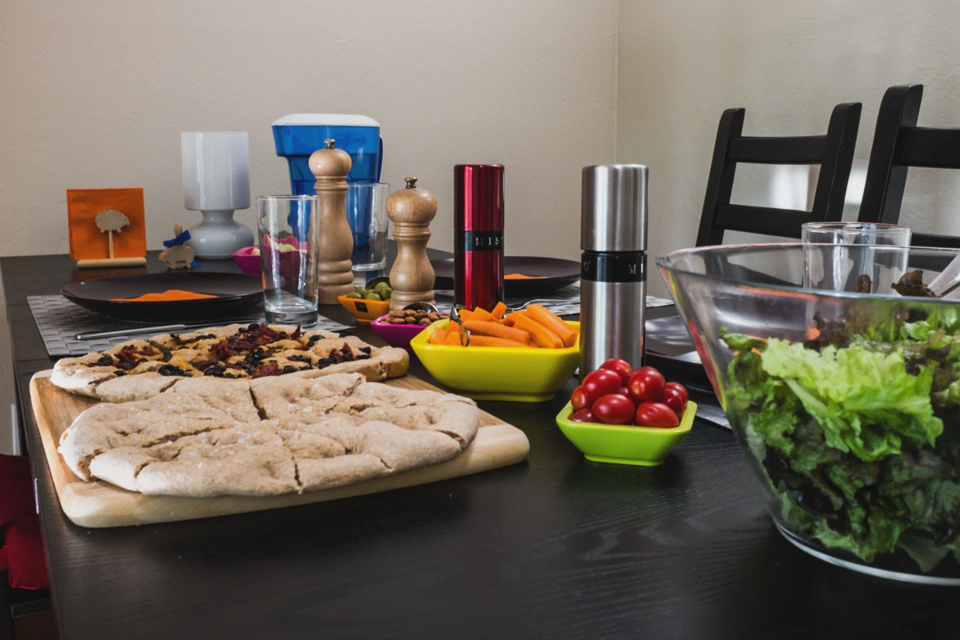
x,y
563,302
59,322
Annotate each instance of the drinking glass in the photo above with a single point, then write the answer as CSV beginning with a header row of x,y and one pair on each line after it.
x,y
843,269
367,214
289,254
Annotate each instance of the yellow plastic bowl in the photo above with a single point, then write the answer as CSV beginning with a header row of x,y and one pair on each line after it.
x,y
365,310
498,373
641,446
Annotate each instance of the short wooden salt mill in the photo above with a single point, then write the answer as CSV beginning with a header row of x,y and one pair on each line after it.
x,y
330,166
412,275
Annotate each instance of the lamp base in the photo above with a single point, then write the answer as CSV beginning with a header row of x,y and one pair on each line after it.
x,y
218,235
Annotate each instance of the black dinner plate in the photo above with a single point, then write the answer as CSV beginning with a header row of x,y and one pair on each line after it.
x,y
554,273
236,294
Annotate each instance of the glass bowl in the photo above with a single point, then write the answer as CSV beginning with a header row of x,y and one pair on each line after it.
x,y
846,404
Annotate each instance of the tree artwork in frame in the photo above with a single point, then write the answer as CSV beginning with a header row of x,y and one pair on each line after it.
x,y
107,227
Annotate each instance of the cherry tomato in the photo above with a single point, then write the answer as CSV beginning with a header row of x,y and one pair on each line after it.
x,y
619,366
679,387
599,383
584,415
646,385
674,398
623,391
656,414
579,399
613,408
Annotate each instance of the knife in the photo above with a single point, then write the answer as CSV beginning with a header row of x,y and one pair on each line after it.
x,y
156,329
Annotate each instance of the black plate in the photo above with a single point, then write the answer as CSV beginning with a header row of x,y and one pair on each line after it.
x,y
237,294
556,274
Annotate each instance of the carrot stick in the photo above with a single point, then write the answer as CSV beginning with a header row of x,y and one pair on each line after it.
x,y
438,336
540,334
495,330
465,314
453,338
453,327
551,321
489,341
499,310
483,315
509,319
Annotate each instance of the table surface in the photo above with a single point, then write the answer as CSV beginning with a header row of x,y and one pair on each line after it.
x,y
553,547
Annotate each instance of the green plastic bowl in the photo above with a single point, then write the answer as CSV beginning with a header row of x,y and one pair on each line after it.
x,y
615,444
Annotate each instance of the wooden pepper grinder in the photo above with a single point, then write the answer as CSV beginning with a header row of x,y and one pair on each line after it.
x,y
412,275
330,166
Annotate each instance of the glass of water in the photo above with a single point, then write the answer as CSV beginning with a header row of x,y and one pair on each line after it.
x,y
289,252
854,264
366,207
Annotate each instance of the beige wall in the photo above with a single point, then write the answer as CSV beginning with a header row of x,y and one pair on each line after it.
x,y
95,94
681,63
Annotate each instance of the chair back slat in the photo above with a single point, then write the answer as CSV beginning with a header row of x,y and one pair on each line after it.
x,y
766,221
794,150
928,147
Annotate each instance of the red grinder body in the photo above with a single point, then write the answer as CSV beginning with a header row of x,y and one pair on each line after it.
x,y
478,235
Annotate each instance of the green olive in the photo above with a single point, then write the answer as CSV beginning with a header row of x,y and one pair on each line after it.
x,y
354,294
372,295
385,292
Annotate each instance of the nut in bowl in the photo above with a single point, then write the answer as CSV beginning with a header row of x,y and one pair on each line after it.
x,y
400,326
498,373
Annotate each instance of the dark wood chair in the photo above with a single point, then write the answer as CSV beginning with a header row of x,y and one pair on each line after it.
x,y
833,152
898,144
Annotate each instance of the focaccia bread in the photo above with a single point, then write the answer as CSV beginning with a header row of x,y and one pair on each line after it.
x,y
141,369
203,437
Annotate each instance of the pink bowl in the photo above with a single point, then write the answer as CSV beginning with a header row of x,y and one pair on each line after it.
x,y
396,335
248,261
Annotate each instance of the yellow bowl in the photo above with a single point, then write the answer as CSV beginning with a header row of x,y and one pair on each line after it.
x,y
498,373
641,446
365,310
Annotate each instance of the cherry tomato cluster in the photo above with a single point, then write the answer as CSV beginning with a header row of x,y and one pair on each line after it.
x,y
616,394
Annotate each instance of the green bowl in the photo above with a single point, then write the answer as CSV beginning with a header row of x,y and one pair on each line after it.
x,y
615,444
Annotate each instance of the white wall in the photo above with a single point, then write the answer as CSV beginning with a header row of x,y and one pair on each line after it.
x,y
95,94
681,63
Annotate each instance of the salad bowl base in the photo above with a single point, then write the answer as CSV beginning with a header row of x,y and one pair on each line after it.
x,y
866,569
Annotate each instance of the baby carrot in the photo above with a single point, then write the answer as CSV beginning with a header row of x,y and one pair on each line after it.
x,y
553,322
509,319
465,314
453,339
482,314
495,330
540,334
499,310
489,341
438,336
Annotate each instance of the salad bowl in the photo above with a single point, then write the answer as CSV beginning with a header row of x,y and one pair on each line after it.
x,y
845,403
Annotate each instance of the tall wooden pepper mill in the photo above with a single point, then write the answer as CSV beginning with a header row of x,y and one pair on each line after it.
x,y
412,275
330,166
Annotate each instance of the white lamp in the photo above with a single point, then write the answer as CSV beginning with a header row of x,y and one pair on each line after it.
x,y
216,182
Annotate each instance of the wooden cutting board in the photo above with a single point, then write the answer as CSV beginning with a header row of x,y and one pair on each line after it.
x,y
100,504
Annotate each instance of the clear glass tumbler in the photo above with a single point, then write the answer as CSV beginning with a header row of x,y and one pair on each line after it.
x,y
289,253
862,270
366,207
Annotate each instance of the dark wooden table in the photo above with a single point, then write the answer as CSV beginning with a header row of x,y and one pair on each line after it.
x,y
554,547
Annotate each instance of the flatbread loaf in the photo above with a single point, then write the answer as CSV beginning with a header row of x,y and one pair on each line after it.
x,y
142,369
305,431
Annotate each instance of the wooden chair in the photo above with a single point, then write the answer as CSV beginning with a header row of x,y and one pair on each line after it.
x,y
898,144
833,152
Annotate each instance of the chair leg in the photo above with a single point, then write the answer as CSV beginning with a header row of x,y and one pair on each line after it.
x,y
6,616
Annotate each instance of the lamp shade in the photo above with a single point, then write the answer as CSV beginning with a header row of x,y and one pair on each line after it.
x,y
216,170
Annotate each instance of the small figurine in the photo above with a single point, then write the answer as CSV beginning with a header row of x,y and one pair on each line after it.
x,y
177,255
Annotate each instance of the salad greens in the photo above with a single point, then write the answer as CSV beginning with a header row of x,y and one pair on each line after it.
x,y
858,430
